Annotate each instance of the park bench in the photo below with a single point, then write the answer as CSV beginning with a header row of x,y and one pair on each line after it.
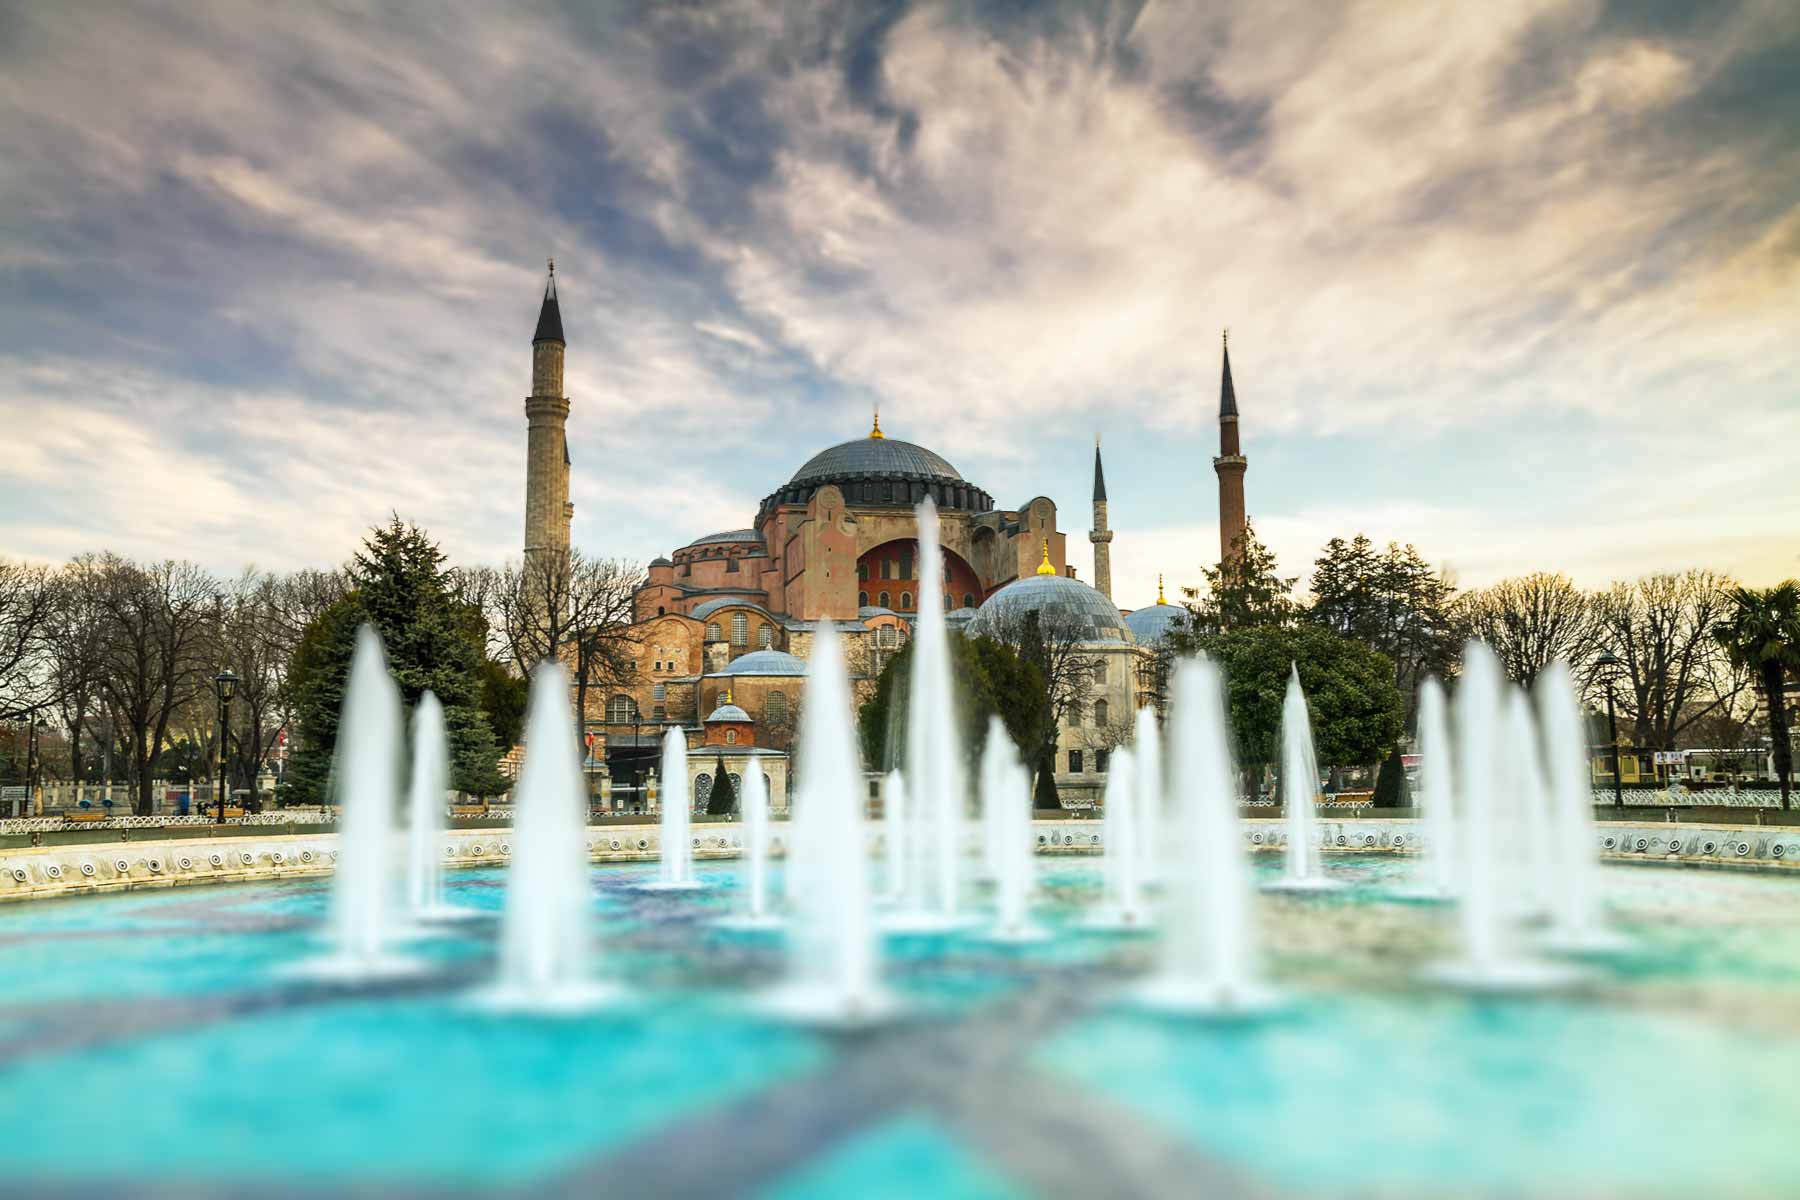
x,y
86,816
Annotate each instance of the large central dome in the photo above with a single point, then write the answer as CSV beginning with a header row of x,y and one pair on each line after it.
x,y
880,472
875,456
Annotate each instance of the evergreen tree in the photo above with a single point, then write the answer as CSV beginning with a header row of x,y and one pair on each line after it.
x,y
990,678
721,801
1390,784
1392,602
433,642
1242,595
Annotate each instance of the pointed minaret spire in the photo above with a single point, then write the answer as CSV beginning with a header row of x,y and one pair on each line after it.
x,y
1100,535
1227,393
1229,466
549,326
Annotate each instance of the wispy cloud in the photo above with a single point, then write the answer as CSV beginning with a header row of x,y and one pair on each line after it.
x,y
267,273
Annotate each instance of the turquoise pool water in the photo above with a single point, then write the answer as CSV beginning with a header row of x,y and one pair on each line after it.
x,y
161,1037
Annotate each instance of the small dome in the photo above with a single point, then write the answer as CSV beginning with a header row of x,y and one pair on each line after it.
x,y
660,561
728,536
1059,598
875,456
1148,625
765,662
728,712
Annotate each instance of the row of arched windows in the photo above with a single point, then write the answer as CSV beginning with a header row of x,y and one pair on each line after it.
x,y
885,600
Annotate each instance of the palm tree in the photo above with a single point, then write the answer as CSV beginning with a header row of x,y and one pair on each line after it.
x,y
1762,633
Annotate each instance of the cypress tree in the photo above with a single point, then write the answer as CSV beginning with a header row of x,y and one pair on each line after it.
x,y
721,801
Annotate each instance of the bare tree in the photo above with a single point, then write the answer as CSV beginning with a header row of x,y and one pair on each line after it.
x,y
1531,622
78,656
28,600
1676,672
572,608
157,622
255,638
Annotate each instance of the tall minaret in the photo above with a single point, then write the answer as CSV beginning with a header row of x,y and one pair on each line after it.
x,y
1230,466
547,508
1100,535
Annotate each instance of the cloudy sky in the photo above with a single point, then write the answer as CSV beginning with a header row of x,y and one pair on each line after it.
x,y
1519,282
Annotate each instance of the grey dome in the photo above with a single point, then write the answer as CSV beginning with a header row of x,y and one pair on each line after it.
x,y
728,712
1148,625
729,535
874,456
765,662
1058,598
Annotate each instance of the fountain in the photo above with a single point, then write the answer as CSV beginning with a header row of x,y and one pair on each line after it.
x,y
1305,871
1149,802
1006,798
675,870
544,929
755,802
933,757
1209,958
1576,924
833,967
1120,827
997,761
1529,831
1491,959
1436,797
895,821
425,811
363,920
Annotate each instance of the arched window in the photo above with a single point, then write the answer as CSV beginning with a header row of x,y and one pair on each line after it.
x,y
906,601
768,788
862,599
713,632
765,636
740,629
619,710
775,706
887,637
885,602
702,788
659,610
1100,713
1099,672
731,737
862,571
949,602
1075,714
660,712
968,599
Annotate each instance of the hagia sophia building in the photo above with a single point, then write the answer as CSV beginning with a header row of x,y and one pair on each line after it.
x,y
725,623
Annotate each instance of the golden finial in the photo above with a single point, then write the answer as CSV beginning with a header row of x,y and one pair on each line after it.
x,y
876,432
1159,591
1044,568
728,695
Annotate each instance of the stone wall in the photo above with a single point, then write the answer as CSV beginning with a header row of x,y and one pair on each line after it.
x,y
43,871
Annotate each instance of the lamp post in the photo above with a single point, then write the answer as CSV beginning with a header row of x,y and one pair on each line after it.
x,y
225,684
1609,663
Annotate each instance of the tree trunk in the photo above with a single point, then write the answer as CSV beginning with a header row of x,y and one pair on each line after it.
x,y
1774,677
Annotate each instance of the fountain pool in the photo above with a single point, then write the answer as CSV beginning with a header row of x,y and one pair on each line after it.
x,y
156,1040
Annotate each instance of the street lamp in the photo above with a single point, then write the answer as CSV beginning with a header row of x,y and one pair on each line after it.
x,y
1608,663
225,684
